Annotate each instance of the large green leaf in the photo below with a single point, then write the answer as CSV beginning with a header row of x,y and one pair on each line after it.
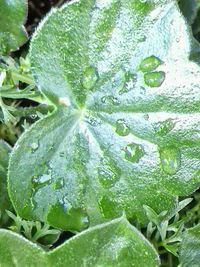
x,y
190,248
12,31
126,129
4,199
114,244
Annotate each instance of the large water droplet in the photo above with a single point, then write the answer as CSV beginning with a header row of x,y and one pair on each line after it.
x,y
34,146
164,127
150,63
133,152
90,77
170,159
154,79
122,128
108,208
108,173
110,100
58,184
71,218
41,180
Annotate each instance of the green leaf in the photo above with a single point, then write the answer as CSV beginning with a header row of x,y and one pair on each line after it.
x,y
15,250
12,32
189,9
116,243
125,132
190,247
5,150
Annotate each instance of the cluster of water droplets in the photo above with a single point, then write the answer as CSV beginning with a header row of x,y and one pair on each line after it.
x,y
152,77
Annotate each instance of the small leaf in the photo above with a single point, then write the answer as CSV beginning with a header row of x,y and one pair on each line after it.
x,y
12,32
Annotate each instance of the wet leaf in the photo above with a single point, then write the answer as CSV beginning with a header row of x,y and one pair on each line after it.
x,y
116,243
12,32
5,150
126,129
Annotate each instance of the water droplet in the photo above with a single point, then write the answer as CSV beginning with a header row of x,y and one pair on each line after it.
x,y
62,154
33,116
34,146
164,127
108,208
110,100
74,219
146,117
150,63
154,79
133,152
92,120
170,159
129,82
142,38
58,184
90,77
122,128
41,180
108,173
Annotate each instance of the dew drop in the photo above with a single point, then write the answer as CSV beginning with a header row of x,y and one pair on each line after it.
x,y
150,63
142,38
41,180
58,184
122,128
133,152
108,173
33,116
108,208
164,127
34,146
129,82
71,218
62,154
154,79
90,77
92,120
170,159
110,100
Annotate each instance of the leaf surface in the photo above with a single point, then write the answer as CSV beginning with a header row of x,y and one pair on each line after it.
x,y
125,132
116,243
15,250
5,150
190,247
12,32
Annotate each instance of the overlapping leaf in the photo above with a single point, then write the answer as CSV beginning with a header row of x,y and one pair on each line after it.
x,y
114,244
12,31
190,247
126,129
4,199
